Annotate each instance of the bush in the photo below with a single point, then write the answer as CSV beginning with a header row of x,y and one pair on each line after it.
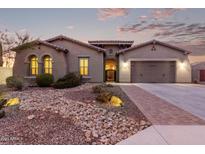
x,y
68,81
14,82
98,89
104,97
44,80
2,113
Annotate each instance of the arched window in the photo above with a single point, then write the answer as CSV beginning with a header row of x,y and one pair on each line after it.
x,y
33,65
47,61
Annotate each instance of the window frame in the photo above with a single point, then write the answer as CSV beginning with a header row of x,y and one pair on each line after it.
x,y
50,65
35,67
83,67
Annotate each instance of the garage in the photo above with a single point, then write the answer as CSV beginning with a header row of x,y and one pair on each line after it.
x,y
153,71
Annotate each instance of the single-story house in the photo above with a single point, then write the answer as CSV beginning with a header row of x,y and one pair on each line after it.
x,y
104,60
198,72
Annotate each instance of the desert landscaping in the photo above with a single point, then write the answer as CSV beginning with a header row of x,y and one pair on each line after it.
x,y
69,116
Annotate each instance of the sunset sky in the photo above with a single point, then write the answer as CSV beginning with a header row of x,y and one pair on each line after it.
x,y
182,27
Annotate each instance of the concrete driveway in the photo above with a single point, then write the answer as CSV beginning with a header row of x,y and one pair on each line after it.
x,y
189,97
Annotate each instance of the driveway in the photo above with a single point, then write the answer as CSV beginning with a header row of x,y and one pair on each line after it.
x,y
189,97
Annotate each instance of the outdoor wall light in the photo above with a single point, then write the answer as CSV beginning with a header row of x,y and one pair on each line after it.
x,y
182,65
125,64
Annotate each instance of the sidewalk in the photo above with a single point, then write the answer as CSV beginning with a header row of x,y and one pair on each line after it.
x,y
168,135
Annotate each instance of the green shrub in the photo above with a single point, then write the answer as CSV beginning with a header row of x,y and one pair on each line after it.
x,y
98,89
104,97
68,81
14,82
44,80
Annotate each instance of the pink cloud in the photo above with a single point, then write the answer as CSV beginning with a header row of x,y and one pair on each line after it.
x,y
143,17
165,13
106,13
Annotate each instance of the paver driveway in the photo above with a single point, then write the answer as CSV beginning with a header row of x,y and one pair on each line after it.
x,y
189,97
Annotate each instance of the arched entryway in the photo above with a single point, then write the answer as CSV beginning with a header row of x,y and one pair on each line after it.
x,y
110,70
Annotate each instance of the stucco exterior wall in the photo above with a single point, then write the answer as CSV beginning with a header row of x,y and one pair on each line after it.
x,y
21,64
162,53
96,59
196,71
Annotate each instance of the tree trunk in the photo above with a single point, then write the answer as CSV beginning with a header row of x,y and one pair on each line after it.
x,y
1,55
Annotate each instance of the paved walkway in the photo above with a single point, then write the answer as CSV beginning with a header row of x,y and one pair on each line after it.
x,y
166,134
159,111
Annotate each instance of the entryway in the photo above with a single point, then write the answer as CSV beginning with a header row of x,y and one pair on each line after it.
x,y
110,70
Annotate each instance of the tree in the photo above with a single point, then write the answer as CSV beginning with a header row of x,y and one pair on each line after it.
x,y
9,40
1,55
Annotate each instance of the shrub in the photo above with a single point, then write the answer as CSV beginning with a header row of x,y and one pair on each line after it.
x,y
104,97
2,113
109,85
14,82
68,81
44,80
98,89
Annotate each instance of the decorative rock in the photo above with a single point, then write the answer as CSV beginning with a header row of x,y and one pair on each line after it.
x,y
30,117
95,134
142,122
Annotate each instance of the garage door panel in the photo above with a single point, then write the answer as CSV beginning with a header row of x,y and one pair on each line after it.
x,y
152,71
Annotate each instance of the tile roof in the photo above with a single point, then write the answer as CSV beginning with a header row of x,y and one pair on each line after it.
x,y
111,42
75,41
154,42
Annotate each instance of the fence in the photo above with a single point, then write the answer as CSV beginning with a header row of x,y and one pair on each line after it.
x,y
4,73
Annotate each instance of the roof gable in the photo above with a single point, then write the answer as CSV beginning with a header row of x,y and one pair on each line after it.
x,y
62,37
154,42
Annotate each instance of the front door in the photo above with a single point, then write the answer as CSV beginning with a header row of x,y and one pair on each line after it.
x,y
110,75
110,70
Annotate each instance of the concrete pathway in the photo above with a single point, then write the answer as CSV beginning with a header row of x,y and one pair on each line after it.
x,y
166,134
189,97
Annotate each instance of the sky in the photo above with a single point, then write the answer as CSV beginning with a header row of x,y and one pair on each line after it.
x,y
181,27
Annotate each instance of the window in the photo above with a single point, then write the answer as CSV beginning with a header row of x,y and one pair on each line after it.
x,y
83,66
33,65
47,61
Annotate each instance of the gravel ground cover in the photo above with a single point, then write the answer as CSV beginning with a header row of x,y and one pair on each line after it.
x,y
79,118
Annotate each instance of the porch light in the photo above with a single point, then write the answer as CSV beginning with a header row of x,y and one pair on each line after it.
x,y
182,65
125,64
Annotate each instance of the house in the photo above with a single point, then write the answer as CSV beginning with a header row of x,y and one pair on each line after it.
x,y
198,72
104,60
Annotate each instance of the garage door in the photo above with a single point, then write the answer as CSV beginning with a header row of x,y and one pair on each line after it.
x,y
202,75
153,71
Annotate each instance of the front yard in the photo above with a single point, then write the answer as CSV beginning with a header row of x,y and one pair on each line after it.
x,y
69,116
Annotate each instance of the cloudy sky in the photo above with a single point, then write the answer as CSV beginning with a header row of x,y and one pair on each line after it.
x,y
182,27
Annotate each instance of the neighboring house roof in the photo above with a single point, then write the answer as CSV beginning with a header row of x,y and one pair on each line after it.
x,y
60,37
154,42
30,44
111,42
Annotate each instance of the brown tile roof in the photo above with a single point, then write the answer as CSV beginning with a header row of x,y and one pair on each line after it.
x,y
75,41
154,42
39,42
111,42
